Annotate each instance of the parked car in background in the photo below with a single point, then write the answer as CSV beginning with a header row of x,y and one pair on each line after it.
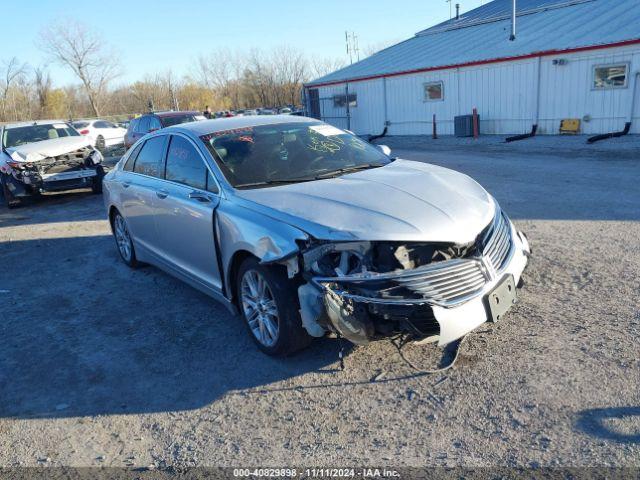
x,y
285,111
250,112
305,228
101,132
266,111
151,122
46,156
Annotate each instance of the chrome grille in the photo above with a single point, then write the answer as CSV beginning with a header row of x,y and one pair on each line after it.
x,y
446,283
498,243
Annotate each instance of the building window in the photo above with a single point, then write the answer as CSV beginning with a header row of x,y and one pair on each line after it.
x,y
610,76
340,101
433,91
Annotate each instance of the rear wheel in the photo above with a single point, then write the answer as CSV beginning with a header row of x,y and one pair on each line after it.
x,y
123,240
269,306
100,143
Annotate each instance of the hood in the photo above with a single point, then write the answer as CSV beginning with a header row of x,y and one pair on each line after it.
x,y
402,201
32,152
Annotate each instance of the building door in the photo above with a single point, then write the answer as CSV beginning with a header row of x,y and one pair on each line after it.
x,y
314,103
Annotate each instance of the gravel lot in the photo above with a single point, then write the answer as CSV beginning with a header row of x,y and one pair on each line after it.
x,y
102,365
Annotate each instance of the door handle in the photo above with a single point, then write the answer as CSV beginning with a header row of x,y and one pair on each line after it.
x,y
162,193
126,184
199,196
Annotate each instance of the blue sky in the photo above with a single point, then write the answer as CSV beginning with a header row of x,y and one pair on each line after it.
x,y
154,36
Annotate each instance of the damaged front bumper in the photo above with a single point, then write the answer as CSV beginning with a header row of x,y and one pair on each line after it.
x,y
441,301
65,172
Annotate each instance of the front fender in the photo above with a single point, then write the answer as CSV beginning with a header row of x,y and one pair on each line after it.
x,y
241,229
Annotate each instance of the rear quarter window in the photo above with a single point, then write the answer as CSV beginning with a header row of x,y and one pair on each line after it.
x,y
149,159
131,159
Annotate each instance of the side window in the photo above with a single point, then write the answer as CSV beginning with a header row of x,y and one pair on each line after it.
x,y
154,123
101,124
133,126
610,76
185,165
143,125
128,166
150,157
434,91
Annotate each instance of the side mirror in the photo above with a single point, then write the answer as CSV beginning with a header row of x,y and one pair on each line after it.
x,y
384,149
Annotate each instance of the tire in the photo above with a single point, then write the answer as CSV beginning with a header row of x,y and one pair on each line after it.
x,y
124,243
96,183
100,143
9,200
276,305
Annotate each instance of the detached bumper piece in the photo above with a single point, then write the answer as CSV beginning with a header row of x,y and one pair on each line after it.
x,y
444,299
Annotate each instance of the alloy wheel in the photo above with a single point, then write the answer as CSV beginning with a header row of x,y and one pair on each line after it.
x,y
123,239
259,308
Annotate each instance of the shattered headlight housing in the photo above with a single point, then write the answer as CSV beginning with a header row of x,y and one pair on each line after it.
x,y
95,158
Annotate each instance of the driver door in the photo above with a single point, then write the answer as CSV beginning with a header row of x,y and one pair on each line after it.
x,y
185,209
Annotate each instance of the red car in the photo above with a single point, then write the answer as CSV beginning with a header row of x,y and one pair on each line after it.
x,y
150,122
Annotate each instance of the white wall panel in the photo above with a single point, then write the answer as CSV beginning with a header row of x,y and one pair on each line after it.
x,y
505,95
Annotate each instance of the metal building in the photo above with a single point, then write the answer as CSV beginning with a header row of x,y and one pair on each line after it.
x,y
577,59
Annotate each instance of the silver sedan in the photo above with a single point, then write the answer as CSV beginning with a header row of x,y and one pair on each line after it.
x,y
306,229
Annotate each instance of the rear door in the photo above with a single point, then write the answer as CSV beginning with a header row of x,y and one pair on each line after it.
x,y
185,213
140,190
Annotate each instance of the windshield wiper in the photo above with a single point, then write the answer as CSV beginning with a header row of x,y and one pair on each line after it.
x,y
279,181
354,168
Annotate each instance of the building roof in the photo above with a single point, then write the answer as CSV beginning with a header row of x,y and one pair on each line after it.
x,y
482,35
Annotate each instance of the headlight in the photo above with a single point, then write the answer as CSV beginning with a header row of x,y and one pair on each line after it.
x,y
96,157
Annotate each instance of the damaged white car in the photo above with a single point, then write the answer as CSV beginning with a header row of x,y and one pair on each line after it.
x,y
46,156
306,229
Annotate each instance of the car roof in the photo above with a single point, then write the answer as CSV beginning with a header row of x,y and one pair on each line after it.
x,y
172,113
32,122
205,127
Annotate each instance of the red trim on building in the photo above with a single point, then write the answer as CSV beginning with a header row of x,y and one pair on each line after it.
x,y
544,53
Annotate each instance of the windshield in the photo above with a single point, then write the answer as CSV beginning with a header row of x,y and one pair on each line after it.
x,y
289,152
14,137
177,120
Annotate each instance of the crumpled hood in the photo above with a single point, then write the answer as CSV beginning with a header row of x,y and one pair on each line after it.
x,y
403,201
32,152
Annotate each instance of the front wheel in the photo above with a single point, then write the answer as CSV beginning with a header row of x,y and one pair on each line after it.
x,y
9,200
96,182
269,306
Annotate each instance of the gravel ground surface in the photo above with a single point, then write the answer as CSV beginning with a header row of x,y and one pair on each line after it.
x,y
102,365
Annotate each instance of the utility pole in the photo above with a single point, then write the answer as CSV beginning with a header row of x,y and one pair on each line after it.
x,y
449,2
512,37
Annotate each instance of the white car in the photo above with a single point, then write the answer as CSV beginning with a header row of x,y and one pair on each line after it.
x,y
101,132
46,156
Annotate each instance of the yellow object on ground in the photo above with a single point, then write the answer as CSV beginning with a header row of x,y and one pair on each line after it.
x,y
570,126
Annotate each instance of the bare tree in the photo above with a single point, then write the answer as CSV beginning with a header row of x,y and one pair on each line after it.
x,y
376,47
12,71
73,45
290,71
43,88
324,66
